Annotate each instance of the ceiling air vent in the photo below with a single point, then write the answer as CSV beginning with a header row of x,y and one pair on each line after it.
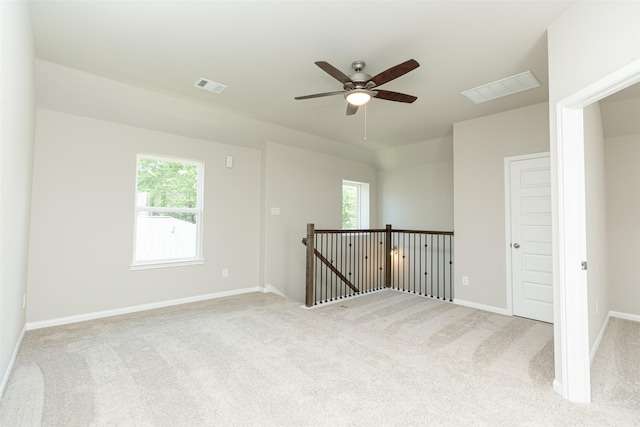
x,y
500,88
210,86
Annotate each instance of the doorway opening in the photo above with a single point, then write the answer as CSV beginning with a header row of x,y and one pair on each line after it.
x,y
570,280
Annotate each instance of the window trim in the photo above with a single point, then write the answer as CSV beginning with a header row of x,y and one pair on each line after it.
x,y
198,210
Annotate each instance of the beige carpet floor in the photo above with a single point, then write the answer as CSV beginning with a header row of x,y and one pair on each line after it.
x,y
615,372
386,358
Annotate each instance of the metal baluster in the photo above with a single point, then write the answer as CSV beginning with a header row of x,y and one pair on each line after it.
x,y
397,259
331,257
444,267
380,248
450,267
420,275
367,253
324,269
426,264
432,269
413,250
401,270
342,251
319,267
351,259
438,260
360,284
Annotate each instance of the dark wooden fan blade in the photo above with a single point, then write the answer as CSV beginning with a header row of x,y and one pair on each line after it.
x,y
351,109
394,72
320,95
334,72
394,96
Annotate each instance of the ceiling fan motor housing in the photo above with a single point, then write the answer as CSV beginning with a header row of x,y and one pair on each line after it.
x,y
359,78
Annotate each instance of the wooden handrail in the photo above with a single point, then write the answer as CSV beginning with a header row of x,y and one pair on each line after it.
x,y
351,231
440,233
383,230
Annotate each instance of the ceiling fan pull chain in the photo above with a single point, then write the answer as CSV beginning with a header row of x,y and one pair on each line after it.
x,y
365,122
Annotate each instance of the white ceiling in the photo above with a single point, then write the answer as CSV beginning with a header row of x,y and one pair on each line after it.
x,y
265,51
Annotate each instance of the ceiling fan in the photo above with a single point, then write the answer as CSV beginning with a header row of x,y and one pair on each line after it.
x,y
359,87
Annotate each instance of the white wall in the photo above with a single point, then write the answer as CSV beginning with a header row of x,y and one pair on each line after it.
x,y
620,113
479,148
83,213
623,214
237,226
17,121
596,222
416,185
307,187
621,129
239,233
588,42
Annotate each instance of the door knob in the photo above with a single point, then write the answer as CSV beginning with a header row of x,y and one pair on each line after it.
x,y
516,245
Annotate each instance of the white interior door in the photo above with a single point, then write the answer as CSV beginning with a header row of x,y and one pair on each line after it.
x,y
531,259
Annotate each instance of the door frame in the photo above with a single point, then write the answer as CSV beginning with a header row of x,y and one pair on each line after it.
x,y
571,317
507,220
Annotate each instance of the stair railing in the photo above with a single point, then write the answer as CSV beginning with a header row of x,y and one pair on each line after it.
x,y
345,263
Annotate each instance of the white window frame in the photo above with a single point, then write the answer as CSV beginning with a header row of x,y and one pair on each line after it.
x,y
363,205
198,210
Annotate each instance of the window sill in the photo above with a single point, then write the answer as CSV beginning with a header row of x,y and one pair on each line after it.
x,y
165,264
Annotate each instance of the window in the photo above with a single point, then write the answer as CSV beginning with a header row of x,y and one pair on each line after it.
x,y
168,212
355,205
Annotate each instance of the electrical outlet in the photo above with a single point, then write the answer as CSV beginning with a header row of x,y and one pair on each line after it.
x,y
225,272
465,280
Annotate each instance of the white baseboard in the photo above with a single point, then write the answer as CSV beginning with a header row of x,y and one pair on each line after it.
x,y
557,387
617,314
7,373
270,289
475,305
596,344
625,316
134,309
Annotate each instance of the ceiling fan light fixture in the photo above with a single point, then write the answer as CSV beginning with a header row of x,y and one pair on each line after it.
x,y
358,96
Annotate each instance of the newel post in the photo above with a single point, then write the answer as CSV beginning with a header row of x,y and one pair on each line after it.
x,y
387,257
310,270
